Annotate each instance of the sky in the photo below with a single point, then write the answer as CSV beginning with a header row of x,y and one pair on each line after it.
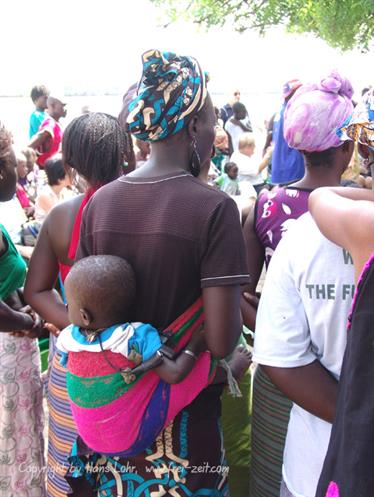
x,y
89,45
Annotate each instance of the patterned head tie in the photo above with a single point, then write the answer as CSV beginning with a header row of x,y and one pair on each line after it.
x,y
315,111
359,127
172,89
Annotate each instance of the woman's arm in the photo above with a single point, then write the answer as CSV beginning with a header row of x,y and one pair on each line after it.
x,y
312,387
41,278
352,211
265,160
223,323
11,320
255,258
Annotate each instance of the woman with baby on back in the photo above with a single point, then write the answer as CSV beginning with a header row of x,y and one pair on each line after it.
x,y
176,232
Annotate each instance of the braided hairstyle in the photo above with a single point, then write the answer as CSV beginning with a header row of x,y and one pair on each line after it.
x,y
96,147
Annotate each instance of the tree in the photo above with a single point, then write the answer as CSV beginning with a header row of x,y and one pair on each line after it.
x,y
344,24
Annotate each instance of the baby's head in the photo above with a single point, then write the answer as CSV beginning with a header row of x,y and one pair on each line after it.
x,y
100,290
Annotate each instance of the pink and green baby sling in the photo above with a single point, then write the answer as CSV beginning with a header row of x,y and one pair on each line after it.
x,y
116,417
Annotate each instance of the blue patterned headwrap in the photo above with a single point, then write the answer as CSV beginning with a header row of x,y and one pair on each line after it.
x,y
171,90
359,127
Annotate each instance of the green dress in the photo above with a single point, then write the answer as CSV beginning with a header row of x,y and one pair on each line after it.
x,y
21,393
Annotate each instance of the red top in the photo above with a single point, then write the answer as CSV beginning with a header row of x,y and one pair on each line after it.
x,y
53,144
22,196
74,242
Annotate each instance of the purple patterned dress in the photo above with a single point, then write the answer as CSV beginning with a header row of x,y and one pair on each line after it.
x,y
276,210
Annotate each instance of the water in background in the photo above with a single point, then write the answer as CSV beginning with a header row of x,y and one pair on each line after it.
x,y
15,111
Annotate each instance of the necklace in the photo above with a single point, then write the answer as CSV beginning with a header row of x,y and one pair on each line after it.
x,y
91,335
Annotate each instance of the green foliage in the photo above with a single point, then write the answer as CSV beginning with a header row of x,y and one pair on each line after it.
x,y
344,24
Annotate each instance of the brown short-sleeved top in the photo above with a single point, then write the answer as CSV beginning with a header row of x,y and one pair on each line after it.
x,y
179,235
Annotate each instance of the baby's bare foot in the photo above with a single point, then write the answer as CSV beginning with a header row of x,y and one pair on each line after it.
x,y
240,361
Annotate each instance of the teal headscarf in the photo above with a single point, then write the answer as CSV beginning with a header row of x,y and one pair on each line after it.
x,y
171,90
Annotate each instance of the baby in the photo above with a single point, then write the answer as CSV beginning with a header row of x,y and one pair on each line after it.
x,y
125,384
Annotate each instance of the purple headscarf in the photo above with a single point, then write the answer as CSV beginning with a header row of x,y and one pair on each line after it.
x,y
315,112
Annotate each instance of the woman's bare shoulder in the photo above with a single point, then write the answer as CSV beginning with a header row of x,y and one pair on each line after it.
x,y
60,224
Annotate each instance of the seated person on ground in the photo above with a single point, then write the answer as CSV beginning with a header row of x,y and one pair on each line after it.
x,y
55,191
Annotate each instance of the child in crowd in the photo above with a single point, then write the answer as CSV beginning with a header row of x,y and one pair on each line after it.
x,y
250,167
55,191
29,183
21,189
106,356
31,156
39,95
228,181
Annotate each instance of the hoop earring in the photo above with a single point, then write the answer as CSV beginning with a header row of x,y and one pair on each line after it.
x,y
195,161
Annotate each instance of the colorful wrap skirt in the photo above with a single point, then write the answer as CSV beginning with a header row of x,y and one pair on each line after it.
x,y
270,415
186,460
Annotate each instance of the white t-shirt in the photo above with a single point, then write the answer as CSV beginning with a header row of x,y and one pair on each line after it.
x,y
235,133
302,317
248,168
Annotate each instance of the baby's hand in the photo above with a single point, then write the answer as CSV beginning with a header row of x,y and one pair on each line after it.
x,y
51,328
197,342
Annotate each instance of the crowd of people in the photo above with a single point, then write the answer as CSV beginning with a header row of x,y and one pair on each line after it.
x,y
206,296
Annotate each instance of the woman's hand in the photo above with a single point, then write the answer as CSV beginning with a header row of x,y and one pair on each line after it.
x,y
253,300
37,328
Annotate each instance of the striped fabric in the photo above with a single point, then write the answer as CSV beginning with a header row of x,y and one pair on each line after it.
x,y
270,416
62,431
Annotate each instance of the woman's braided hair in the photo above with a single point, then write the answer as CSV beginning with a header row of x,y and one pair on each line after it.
x,y
96,147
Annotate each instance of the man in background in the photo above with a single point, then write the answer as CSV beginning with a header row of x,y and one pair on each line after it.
x,y
226,111
287,164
